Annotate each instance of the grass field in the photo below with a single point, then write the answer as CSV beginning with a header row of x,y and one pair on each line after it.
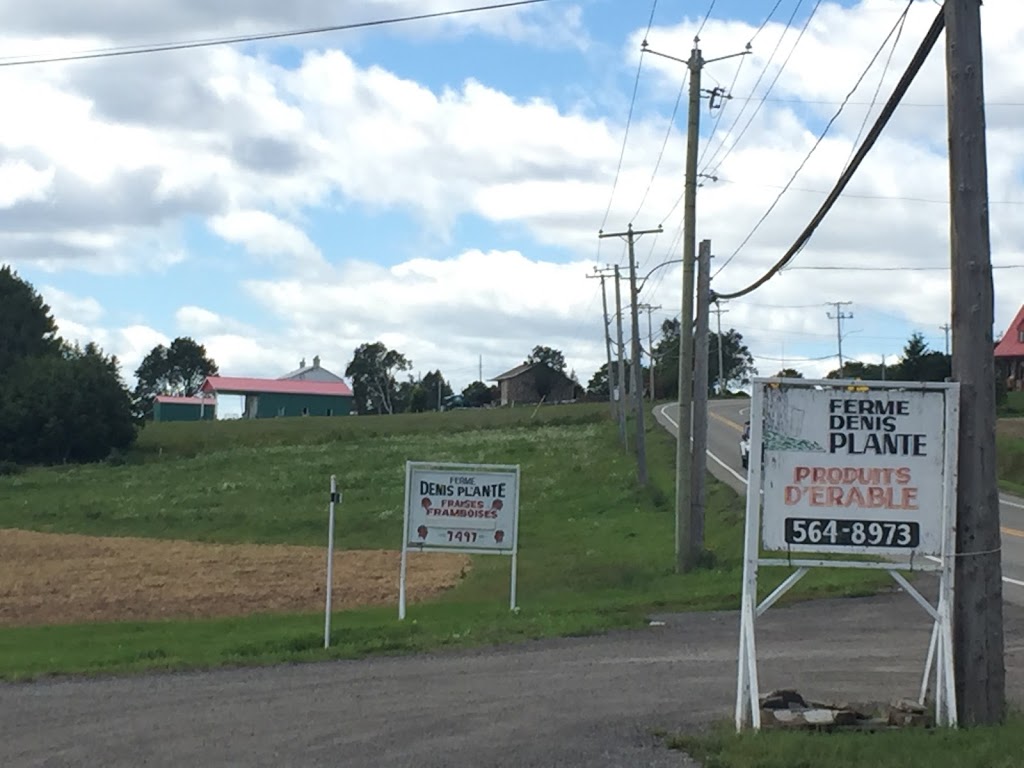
x,y
596,551
992,747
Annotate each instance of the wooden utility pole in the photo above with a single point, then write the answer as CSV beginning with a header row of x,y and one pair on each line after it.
x,y
686,551
612,377
700,397
721,356
839,317
978,650
620,377
650,344
636,368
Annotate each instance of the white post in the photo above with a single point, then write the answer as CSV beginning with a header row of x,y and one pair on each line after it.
x,y
514,577
405,541
401,581
747,691
330,560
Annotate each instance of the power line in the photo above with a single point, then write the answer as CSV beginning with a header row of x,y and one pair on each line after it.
x,y
878,87
131,50
707,15
821,138
876,130
764,71
845,268
771,86
900,198
629,115
766,20
827,102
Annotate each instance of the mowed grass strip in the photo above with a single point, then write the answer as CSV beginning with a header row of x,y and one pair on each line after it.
x,y
596,551
987,747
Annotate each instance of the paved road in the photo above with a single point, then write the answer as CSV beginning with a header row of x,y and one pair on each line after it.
x,y
583,702
725,425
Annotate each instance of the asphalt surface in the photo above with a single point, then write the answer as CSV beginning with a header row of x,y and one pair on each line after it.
x,y
583,702
573,703
725,425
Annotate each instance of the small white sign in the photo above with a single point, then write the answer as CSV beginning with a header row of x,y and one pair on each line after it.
x,y
460,507
468,508
859,472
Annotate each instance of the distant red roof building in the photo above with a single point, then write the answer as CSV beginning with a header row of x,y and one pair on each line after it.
x,y
237,385
1009,353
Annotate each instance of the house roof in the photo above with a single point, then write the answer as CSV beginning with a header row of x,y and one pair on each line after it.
x,y
1010,345
176,400
240,385
519,370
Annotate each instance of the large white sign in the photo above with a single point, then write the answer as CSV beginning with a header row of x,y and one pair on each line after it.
x,y
467,508
460,507
853,471
862,469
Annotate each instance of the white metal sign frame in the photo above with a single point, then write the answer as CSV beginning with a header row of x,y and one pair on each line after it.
x,y
448,498
940,650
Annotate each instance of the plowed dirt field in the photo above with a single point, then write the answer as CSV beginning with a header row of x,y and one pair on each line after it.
x,y
49,578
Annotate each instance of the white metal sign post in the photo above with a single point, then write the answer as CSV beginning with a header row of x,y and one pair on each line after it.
x,y
335,499
866,470
468,508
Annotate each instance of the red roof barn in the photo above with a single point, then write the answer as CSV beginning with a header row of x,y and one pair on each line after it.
x,y
1010,353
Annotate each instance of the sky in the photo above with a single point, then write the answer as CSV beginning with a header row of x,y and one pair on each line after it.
x,y
439,186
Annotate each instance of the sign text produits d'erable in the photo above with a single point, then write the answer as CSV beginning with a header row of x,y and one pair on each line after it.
x,y
862,427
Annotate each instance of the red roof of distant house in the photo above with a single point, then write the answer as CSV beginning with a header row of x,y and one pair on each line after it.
x,y
241,385
176,400
1010,345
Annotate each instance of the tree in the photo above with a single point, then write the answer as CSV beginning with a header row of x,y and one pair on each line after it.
x,y
599,384
918,363
552,358
372,373
736,359
27,329
179,369
477,394
58,409
789,373
435,390
857,369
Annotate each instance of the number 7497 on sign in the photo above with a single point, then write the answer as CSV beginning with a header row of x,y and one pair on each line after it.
x,y
464,537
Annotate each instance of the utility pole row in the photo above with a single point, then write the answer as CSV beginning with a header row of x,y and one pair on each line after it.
x,y
637,369
612,375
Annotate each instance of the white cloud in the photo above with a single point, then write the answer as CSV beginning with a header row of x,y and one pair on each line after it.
x,y
100,174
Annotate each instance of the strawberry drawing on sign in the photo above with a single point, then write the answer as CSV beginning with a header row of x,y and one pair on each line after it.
x,y
422,531
497,504
499,536
425,503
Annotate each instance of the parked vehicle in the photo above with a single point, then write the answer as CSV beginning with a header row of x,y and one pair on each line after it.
x,y
745,446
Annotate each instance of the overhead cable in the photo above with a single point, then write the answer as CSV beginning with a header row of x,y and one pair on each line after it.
x,y
132,50
813,149
869,141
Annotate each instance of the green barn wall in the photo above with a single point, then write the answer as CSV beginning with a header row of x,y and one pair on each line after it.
x,y
273,405
181,412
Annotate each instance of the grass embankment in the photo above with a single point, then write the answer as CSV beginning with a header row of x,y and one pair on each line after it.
x,y
1010,453
596,552
992,747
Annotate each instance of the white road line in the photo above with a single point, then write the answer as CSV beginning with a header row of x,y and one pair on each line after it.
x,y
718,461
734,473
